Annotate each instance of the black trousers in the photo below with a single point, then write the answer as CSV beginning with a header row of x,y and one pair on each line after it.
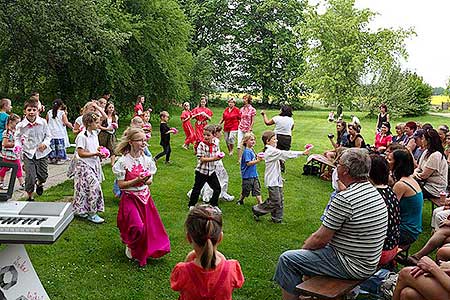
x,y
200,180
166,151
284,143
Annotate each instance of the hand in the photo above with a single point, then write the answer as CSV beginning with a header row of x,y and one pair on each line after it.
x,y
306,152
42,147
445,222
263,112
100,154
416,272
427,264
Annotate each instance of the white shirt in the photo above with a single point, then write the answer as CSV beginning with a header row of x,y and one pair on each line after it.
x,y
283,125
272,157
88,141
31,135
127,163
56,125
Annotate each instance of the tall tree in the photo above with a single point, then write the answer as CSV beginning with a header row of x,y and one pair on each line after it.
x,y
75,49
342,50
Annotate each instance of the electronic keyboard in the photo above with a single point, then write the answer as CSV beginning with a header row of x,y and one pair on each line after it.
x,y
33,222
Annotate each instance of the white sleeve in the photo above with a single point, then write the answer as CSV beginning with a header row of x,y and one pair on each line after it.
x,y
119,169
277,154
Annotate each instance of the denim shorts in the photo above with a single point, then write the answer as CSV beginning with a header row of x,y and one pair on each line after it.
x,y
293,264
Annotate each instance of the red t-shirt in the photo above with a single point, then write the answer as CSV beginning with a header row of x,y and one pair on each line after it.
x,y
231,119
382,141
138,109
195,283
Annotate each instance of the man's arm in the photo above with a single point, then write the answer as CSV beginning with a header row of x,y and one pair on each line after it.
x,y
319,239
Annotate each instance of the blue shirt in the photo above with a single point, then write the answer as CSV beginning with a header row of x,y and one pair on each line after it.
x,y
248,171
411,214
3,117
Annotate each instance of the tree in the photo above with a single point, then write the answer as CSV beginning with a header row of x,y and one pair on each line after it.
x,y
76,49
342,50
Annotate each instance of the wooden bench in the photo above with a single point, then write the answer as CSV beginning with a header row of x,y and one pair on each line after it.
x,y
323,287
320,162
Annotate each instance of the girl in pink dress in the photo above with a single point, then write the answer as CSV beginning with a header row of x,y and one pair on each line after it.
x,y
202,114
141,228
186,116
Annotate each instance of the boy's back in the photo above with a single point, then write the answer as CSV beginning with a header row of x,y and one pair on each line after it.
x,y
248,171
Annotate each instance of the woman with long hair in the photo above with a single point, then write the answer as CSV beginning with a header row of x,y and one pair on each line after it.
x,y
432,169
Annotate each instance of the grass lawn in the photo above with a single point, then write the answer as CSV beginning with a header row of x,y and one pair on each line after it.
x,y
88,261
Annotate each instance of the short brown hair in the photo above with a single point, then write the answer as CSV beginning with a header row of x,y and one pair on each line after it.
x,y
32,102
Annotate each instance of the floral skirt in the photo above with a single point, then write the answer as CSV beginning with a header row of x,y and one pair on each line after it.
x,y
88,195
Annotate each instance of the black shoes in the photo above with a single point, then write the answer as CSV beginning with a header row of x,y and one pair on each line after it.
x,y
39,189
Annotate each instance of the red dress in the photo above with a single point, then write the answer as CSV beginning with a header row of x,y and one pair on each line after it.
x,y
187,127
201,122
195,283
138,220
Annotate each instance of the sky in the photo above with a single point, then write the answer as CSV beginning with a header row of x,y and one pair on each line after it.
x,y
429,51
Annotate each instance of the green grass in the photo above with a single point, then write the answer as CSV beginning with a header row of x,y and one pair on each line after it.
x,y
88,261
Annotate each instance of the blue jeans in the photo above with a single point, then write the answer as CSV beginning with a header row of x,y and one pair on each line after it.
x,y
293,264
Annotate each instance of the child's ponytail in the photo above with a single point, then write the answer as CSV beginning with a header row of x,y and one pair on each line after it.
x,y
204,227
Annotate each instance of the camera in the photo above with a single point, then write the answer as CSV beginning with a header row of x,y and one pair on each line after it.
x,y
330,135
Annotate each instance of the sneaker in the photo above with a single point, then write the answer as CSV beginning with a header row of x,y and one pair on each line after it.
x,y
227,197
191,208
240,202
83,216
217,209
276,221
188,194
30,199
206,199
3,186
255,214
168,162
39,189
95,219
128,252
22,187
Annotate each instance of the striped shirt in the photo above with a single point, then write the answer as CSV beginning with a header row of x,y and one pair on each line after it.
x,y
359,218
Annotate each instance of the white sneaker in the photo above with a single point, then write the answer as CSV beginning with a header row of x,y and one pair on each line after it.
x,y
189,193
227,197
3,186
128,252
206,199
217,209
191,208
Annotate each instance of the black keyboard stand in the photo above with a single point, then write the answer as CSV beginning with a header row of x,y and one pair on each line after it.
x,y
12,180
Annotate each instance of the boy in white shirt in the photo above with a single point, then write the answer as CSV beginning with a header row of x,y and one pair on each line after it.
x,y
272,178
33,136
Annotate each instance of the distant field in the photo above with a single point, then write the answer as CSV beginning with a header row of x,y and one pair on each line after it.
x,y
437,100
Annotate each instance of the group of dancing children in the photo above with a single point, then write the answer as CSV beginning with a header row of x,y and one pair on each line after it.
x,y
211,178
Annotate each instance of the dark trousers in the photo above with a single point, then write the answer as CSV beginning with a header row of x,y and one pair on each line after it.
x,y
166,151
200,180
36,172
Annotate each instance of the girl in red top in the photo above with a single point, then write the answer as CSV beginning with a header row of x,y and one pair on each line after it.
x,y
186,116
202,114
139,107
231,117
206,273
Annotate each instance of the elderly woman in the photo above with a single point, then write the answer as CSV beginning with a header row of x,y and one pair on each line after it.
x,y
432,169
284,123
248,113
230,119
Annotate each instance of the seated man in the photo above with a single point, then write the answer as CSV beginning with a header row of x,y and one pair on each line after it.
x,y
348,244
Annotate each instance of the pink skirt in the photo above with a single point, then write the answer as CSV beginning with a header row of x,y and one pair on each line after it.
x,y
141,228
